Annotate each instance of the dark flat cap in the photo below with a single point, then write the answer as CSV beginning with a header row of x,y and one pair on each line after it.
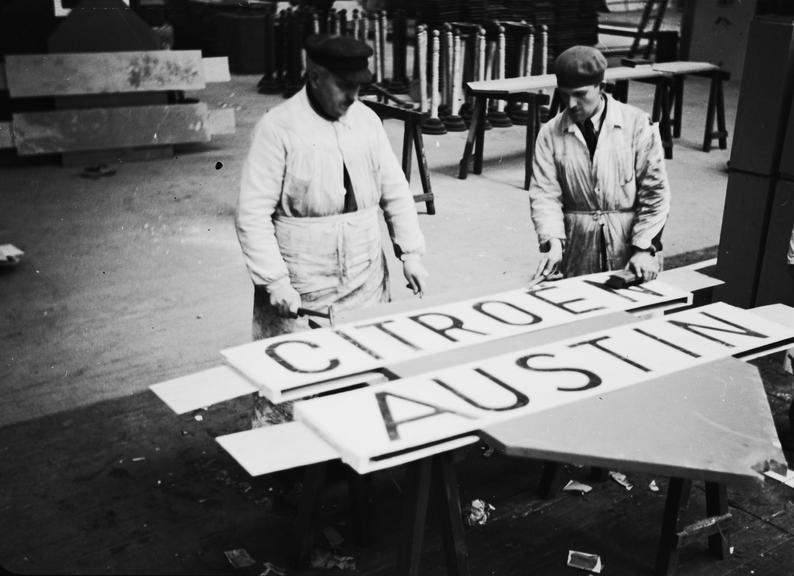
x,y
580,66
342,55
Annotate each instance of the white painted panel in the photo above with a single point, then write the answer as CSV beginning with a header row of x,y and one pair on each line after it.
x,y
201,389
436,406
273,448
284,365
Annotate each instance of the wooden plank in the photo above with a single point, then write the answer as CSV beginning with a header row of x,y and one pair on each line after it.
x,y
6,135
685,67
194,391
101,128
289,363
222,121
216,69
273,448
31,75
396,417
509,86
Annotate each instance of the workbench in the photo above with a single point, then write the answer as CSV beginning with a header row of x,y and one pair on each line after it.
x,y
667,77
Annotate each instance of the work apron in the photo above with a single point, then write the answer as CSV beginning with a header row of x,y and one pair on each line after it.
x,y
332,260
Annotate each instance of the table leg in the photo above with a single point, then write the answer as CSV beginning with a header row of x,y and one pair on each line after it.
x,y
550,479
679,105
408,143
722,130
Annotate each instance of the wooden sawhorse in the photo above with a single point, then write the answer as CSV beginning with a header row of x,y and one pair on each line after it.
x,y
475,141
412,138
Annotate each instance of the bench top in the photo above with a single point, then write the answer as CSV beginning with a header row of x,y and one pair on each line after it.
x,y
521,84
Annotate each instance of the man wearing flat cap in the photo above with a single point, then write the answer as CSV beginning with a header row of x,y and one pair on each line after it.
x,y
599,194
319,169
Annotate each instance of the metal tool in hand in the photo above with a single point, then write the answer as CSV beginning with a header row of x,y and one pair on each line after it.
x,y
329,315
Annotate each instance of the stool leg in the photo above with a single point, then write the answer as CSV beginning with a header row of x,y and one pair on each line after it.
x,y
717,505
708,135
359,492
679,105
549,480
667,551
313,483
477,118
479,143
533,126
664,121
723,131
414,517
448,498
408,143
424,173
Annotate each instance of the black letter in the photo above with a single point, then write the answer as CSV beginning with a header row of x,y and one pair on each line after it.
x,y
562,305
593,380
388,420
381,326
690,327
670,344
480,307
456,324
272,351
358,344
521,399
595,344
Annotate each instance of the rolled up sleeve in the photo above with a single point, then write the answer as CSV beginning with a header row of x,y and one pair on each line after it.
x,y
545,192
653,189
260,190
396,200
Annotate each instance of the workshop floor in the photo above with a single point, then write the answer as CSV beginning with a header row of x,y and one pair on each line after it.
x,y
135,278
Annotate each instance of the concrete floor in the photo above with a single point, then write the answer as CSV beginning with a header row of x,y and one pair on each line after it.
x,y
136,278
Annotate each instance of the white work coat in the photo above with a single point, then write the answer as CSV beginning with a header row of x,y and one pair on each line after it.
x,y
289,215
605,205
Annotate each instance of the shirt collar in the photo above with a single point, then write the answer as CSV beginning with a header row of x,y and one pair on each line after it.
x,y
613,116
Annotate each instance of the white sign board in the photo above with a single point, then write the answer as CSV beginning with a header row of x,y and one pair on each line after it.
x,y
369,425
286,366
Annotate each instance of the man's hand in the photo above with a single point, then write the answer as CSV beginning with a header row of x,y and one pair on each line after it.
x,y
286,300
415,273
643,264
550,261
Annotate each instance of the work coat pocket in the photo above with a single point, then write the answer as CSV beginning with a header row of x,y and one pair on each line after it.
x,y
625,172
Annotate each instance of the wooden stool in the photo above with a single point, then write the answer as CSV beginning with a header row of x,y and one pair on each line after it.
x,y
412,138
714,525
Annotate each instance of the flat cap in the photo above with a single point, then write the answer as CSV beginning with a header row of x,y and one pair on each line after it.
x,y
580,66
342,55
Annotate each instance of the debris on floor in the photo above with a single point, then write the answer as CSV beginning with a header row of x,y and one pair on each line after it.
x,y
10,255
787,479
272,570
239,558
585,561
328,559
97,171
621,479
653,486
478,512
578,487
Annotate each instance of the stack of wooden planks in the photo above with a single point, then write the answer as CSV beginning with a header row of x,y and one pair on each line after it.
x,y
103,127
